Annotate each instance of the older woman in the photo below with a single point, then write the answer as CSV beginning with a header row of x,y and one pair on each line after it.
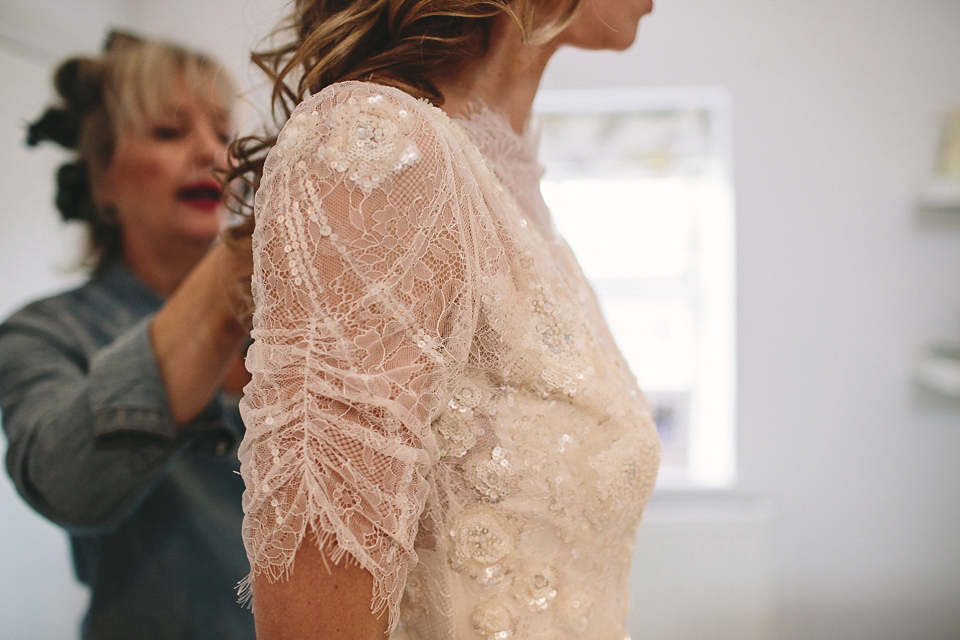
x,y
442,439
116,396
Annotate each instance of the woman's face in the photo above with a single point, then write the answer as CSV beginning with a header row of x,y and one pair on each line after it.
x,y
605,24
159,182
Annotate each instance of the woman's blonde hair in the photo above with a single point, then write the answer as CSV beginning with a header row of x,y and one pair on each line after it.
x,y
401,43
99,98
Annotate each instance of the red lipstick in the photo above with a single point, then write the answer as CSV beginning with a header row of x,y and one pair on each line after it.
x,y
204,195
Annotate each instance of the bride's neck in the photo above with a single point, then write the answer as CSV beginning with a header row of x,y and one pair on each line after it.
x,y
505,79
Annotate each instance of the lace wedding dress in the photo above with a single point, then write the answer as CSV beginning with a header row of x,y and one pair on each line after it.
x,y
434,389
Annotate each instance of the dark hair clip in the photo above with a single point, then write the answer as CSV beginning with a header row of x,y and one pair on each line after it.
x,y
118,39
74,197
57,125
80,82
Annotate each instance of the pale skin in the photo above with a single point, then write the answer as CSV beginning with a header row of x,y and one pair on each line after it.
x,y
321,599
197,335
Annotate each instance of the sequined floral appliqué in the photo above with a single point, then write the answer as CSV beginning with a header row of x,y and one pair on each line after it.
x,y
484,541
492,620
370,141
297,133
457,428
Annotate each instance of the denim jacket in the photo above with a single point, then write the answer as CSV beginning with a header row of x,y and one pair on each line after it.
x,y
153,511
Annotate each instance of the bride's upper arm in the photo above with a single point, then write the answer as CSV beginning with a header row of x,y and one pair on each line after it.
x,y
364,319
319,600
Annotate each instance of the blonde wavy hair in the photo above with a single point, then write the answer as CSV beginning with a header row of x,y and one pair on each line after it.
x,y
400,43
99,98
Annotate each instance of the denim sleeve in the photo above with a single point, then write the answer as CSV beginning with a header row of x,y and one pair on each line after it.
x,y
89,435
125,391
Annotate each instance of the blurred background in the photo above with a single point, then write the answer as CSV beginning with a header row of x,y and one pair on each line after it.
x,y
778,313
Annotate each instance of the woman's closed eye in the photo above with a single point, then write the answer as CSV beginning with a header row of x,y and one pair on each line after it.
x,y
165,132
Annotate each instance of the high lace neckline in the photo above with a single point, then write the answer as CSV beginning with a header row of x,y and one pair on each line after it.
x,y
491,129
512,156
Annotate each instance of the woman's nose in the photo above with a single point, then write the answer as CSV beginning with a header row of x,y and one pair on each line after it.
x,y
210,150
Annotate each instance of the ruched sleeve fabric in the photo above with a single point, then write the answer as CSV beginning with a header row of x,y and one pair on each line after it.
x,y
364,319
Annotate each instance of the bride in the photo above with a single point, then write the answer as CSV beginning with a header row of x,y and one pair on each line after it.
x,y
442,438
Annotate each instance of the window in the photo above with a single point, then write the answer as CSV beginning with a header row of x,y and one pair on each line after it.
x,y
639,183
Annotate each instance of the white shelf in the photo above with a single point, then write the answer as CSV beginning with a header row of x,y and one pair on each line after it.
x,y
940,193
938,369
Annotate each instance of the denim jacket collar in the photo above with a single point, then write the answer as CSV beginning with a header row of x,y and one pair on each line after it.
x,y
119,279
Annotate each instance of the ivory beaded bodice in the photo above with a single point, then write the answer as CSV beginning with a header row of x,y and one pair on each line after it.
x,y
434,389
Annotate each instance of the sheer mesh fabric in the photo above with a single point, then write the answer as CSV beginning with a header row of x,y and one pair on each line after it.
x,y
434,392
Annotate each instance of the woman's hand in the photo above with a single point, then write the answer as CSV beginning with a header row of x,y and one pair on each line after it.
x,y
200,331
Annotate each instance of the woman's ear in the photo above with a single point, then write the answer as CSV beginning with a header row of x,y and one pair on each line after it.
x,y
102,192
99,190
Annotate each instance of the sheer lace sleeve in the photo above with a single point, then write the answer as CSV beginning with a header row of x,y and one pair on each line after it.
x,y
363,321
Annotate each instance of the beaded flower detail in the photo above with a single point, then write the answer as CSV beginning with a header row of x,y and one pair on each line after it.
x,y
369,141
456,427
536,589
484,542
456,432
492,620
491,474
296,132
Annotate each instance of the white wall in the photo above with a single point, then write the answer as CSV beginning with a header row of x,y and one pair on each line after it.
x,y
35,579
840,282
39,598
